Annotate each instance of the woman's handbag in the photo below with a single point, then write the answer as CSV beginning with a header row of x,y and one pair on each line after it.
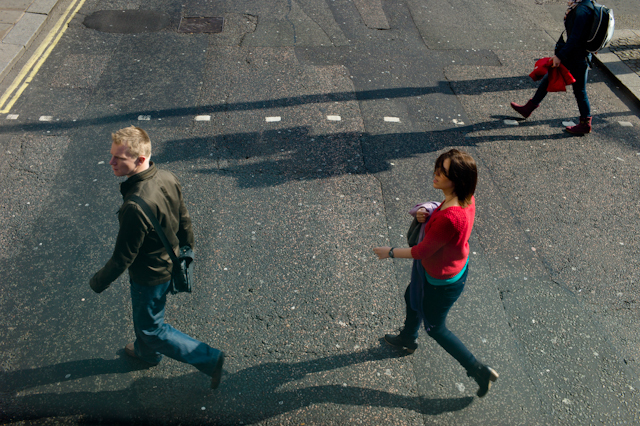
x,y
415,229
413,234
182,274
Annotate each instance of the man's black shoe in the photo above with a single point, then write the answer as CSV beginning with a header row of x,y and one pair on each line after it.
x,y
399,342
130,350
217,372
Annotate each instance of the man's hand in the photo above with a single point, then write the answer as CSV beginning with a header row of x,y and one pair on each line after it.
x,y
422,214
555,61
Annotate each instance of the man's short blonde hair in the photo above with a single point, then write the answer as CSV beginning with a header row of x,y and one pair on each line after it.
x,y
136,139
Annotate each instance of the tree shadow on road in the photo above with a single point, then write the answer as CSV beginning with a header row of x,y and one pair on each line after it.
x,y
250,395
276,156
466,87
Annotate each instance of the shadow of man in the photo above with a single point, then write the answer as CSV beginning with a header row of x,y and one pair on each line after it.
x,y
248,396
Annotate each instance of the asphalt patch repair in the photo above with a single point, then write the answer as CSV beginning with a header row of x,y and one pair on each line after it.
x,y
127,21
201,25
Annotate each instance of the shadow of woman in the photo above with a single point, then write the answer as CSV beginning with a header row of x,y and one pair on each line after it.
x,y
249,395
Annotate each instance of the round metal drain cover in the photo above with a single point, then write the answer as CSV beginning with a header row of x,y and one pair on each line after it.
x,y
127,21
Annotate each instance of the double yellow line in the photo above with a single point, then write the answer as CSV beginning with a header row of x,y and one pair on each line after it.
x,y
32,66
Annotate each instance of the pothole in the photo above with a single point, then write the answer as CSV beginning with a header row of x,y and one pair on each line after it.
x,y
127,21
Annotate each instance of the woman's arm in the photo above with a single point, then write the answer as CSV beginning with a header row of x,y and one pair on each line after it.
x,y
400,253
578,29
439,234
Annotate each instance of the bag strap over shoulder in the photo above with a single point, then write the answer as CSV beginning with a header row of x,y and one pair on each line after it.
x,y
156,225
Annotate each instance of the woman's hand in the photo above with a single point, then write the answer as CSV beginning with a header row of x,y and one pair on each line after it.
x,y
382,252
555,61
422,214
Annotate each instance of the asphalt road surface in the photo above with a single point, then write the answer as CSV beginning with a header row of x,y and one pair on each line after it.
x,y
317,126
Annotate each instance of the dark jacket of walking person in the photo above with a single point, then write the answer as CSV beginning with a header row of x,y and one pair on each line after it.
x,y
576,58
140,250
441,265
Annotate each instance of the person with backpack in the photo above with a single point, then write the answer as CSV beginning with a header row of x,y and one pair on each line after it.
x,y
574,55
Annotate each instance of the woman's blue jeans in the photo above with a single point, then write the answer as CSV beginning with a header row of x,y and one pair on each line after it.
x,y
437,302
154,338
579,69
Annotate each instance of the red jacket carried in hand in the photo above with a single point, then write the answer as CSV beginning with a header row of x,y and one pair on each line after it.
x,y
559,77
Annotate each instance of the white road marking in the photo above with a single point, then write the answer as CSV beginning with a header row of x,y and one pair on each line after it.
x,y
272,119
334,118
622,123
568,123
203,118
12,117
144,118
45,118
511,123
392,119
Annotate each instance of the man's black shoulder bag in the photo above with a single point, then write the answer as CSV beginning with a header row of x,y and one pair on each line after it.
x,y
182,274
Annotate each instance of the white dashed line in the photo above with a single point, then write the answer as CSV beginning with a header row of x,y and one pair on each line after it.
x,y
272,119
12,117
568,123
392,119
144,118
45,118
622,123
203,118
511,123
334,118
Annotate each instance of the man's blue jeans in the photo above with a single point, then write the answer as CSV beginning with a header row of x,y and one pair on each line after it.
x,y
436,303
154,338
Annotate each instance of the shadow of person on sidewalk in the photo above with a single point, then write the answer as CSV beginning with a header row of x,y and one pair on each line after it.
x,y
250,395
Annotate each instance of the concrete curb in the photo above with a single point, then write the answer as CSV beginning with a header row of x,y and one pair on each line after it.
x,y
23,33
621,71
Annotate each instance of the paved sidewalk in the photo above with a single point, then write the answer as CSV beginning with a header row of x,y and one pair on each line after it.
x,y
20,23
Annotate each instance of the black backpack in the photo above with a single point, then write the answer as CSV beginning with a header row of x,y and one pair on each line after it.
x,y
601,29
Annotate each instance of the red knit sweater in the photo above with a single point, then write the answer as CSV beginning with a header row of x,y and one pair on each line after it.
x,y
445,247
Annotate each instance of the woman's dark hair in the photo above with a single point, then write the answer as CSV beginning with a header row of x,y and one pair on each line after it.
x,y
463,172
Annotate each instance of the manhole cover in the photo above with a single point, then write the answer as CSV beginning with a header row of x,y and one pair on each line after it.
x,y
127,21
201,25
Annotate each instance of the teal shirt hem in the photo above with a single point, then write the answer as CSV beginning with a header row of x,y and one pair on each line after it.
x,y
437,282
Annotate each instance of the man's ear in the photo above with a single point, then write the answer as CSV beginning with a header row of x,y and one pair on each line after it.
x,y
141,159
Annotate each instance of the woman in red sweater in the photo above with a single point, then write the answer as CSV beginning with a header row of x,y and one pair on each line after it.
x,y
441,265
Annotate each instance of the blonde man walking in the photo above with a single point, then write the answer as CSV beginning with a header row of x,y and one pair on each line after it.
x,y
140,250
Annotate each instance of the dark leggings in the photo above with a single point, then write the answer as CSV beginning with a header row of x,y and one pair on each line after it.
x,y
579,70
436,303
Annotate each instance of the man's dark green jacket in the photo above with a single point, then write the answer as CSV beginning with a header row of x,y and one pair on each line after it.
x,y
138,246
